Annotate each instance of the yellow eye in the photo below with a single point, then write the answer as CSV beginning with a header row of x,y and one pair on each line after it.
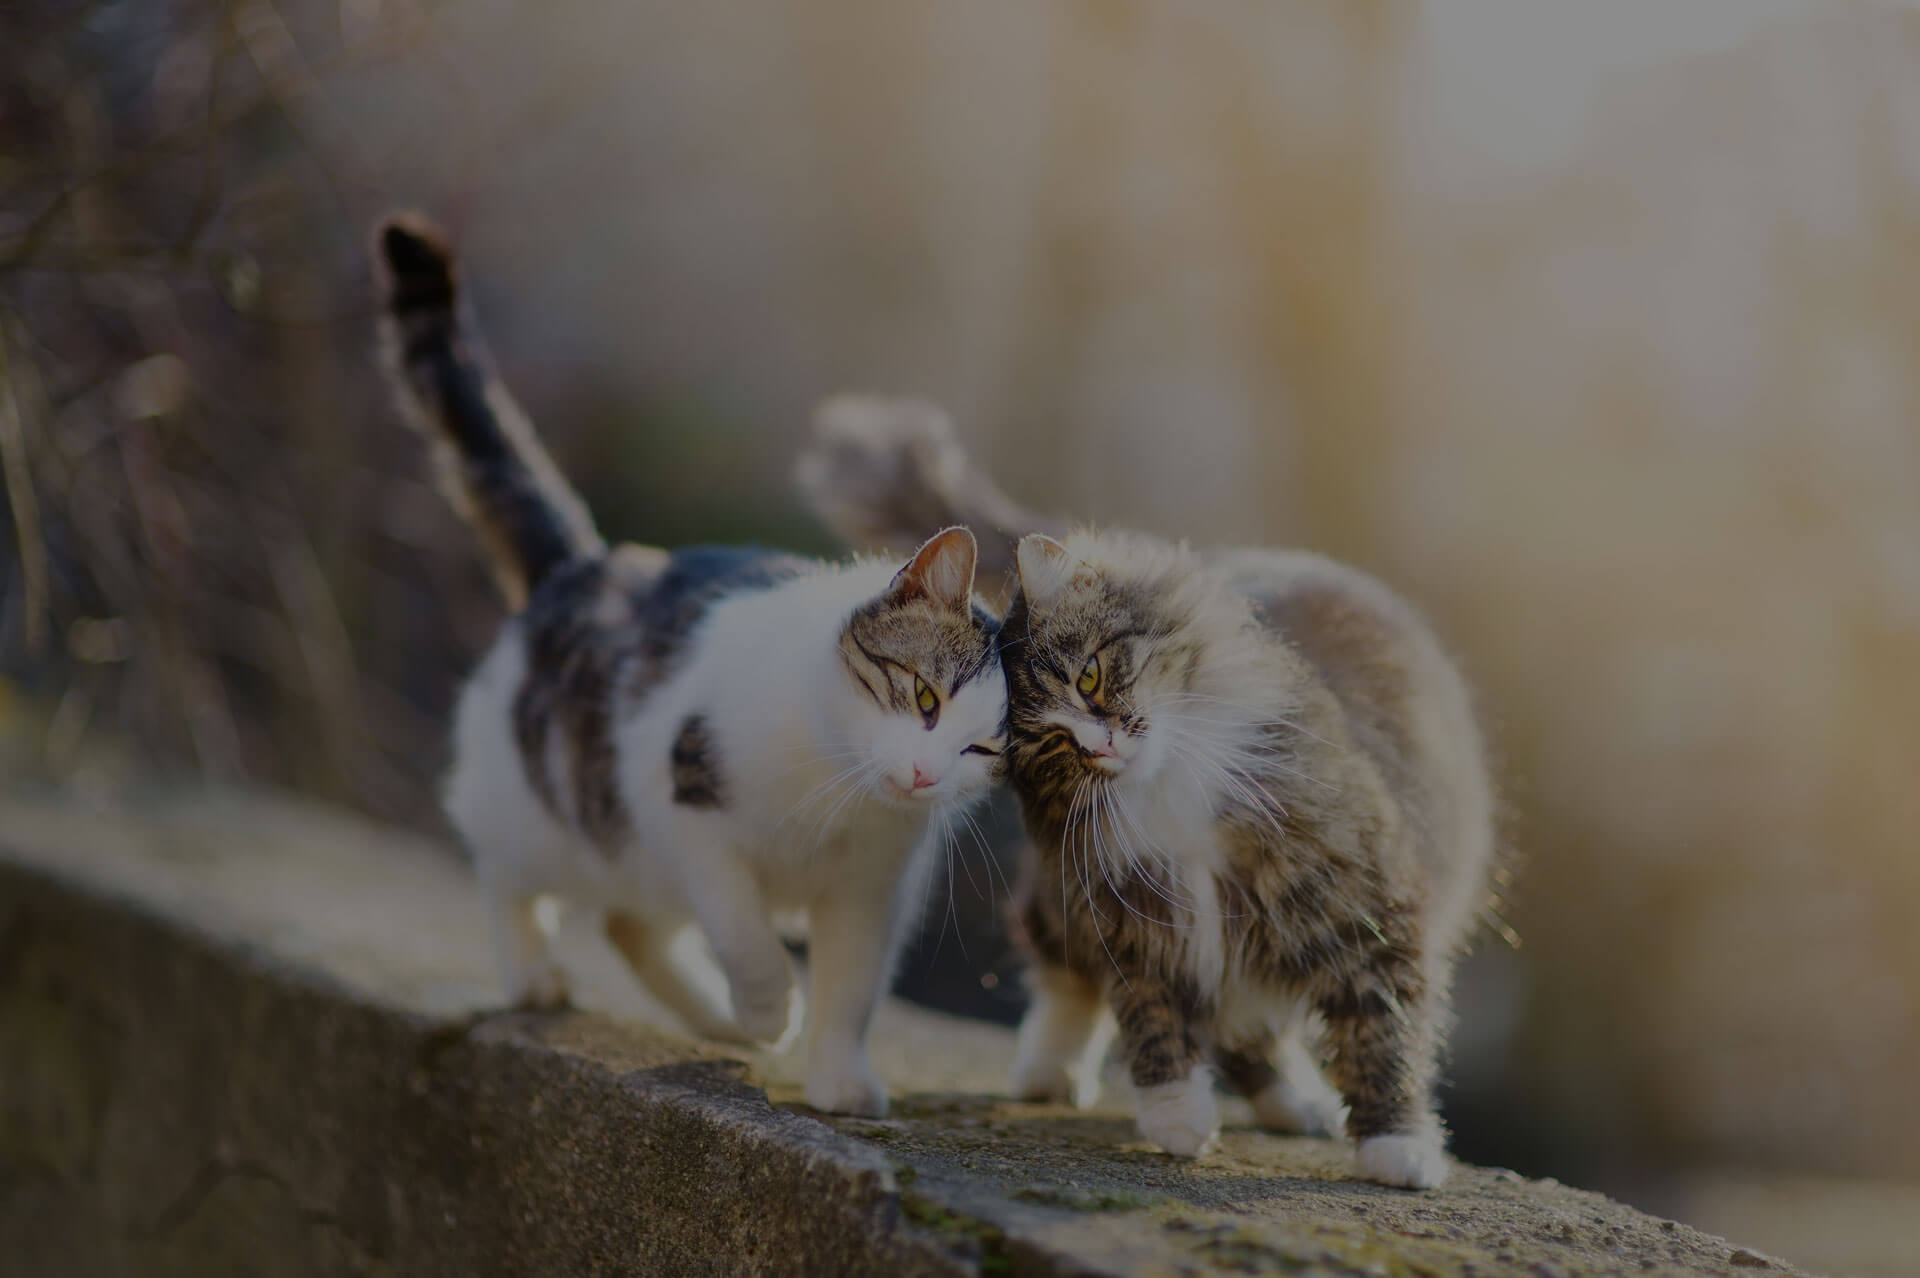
x,y
924,696
1089,677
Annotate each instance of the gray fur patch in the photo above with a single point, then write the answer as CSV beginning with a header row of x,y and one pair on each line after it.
x,y
946,648
601,634
696,766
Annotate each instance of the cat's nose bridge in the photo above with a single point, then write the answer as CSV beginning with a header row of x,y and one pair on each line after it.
x,y
1096,738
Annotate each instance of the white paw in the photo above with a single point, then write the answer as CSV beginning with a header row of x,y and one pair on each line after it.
x,y
1409,1160
1181,1118
719,1029
540,988
847,1087
767,1012
1305,1108
1033,1078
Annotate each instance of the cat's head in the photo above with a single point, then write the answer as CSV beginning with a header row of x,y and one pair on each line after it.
x,y
1117,650
930,702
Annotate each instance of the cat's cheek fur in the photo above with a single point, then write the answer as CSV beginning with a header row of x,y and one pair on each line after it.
x,y
901,744
1149,757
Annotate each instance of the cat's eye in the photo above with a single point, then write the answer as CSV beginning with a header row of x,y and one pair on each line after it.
x,y
925,697
1089,680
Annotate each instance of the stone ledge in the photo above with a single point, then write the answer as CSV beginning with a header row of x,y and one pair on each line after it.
x,y
240,1035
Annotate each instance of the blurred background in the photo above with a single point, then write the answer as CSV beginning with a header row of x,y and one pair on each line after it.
x,y
1593,329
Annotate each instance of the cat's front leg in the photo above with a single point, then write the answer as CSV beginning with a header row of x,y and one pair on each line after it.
x,y
647,948
731,910
854,930
1380,1027
1173,1087
1057,1057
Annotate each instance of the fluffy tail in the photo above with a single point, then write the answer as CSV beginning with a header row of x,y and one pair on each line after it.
x,y
491,465
888,474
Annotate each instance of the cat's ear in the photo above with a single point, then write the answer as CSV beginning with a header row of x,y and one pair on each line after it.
x,y
941,571
1046,568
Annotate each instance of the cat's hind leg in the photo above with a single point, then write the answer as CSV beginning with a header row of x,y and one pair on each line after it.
x,y
1063,1037
522,950
732,911
502,822
646,947
1273,1066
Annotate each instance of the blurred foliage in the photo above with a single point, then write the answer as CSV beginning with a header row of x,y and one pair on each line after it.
x,y
215,552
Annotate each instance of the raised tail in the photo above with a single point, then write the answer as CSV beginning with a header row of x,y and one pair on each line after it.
x,y
491,465
888,474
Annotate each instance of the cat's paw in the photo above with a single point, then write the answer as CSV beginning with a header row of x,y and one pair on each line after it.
x,y
767,1011
1181,1118
542,987
1304,1107
1034,1078
1407,1160
720,1029
847,1087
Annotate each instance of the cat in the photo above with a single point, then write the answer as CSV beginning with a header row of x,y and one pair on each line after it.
x,y
1258,808
704,735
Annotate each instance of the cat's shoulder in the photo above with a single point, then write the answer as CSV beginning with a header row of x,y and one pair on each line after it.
x,y
644,596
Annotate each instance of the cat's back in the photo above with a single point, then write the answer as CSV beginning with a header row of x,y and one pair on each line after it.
x,y
539,720
639,604
1406,703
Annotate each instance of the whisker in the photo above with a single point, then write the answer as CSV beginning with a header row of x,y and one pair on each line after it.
x,y
815,794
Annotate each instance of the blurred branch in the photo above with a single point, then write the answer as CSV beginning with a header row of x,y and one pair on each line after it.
x,y
26,508
287,78
202,571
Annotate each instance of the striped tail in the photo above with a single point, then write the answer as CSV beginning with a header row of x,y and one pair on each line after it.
x,y
490,463
888,474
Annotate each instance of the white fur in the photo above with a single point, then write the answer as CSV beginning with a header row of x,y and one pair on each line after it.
x,y
1409,1160
1299,1101
821,814
1181,1117
1063,1039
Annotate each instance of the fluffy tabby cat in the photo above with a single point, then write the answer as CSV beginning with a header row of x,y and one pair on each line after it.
x,y
1258,808
703,735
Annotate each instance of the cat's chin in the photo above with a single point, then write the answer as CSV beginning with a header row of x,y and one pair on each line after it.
x,y
1131,775
899,796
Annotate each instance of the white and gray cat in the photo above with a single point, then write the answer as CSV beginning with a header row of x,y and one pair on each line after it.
x,y
1257,802
706,735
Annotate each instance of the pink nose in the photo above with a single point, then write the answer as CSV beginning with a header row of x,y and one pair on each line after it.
x,y
1107,751
920,779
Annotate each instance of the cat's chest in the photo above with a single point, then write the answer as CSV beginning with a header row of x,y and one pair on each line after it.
x,y
1176,825
857,840
1178,832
